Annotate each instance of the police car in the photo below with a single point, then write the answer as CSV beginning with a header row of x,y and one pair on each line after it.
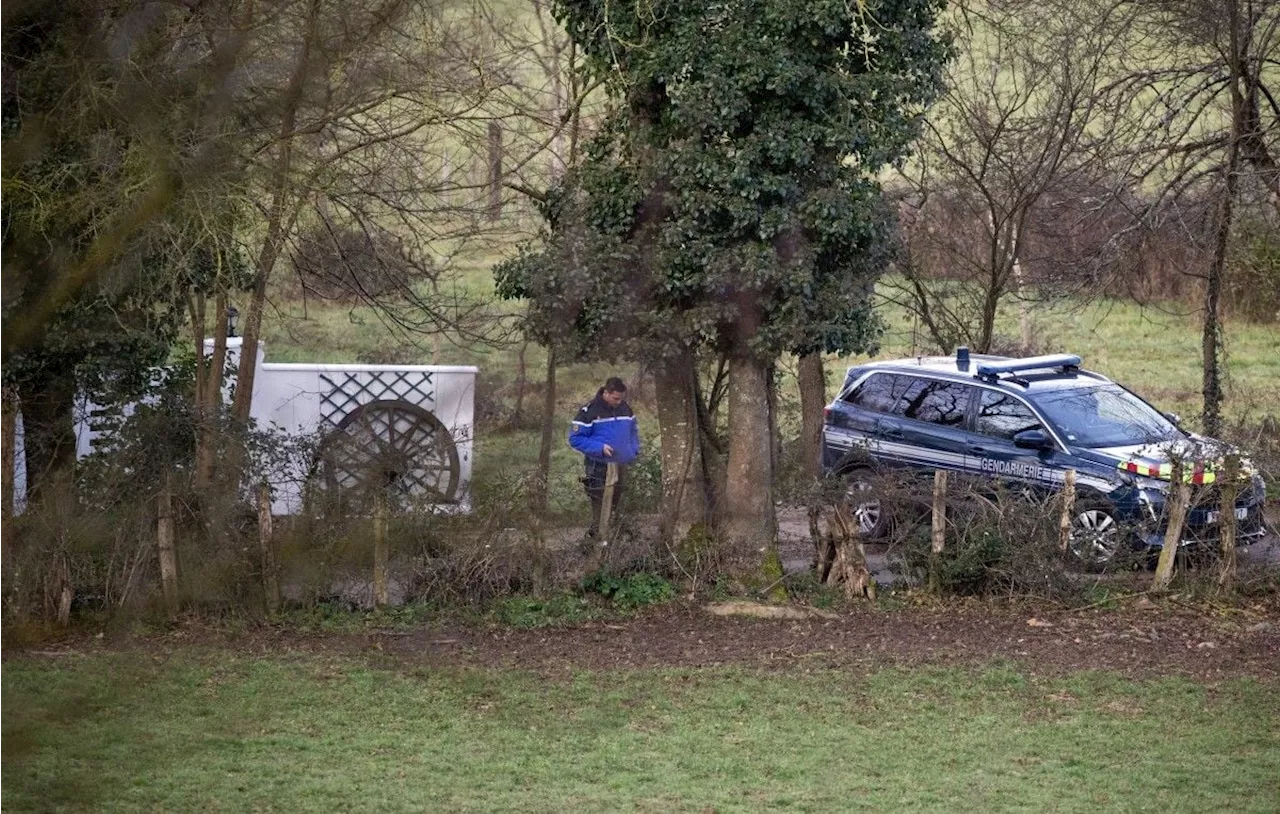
x,y
1026,422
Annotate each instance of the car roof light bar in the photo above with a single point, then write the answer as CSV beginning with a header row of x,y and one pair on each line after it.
x,y
1062,361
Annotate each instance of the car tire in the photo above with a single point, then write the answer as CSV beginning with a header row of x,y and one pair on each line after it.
x,y
1096,535
870,513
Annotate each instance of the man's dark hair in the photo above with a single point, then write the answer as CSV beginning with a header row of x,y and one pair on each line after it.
x,y
615,385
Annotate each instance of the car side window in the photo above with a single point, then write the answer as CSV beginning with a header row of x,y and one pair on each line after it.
x,y
877,393
1001,415
936,402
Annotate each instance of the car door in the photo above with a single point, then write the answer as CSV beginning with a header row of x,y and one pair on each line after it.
x,y
998,417
856,425
929,423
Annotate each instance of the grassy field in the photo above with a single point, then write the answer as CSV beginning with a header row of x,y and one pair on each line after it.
x,y
211,730
1154,349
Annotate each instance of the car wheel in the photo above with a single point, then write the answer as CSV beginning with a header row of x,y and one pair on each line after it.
x,y
1096,535
869,512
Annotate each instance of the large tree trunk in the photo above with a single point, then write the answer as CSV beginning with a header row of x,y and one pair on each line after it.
x,y
684,497
522,383
196,308
242,402
495,171
279,224
775,432
750,527
209,392
714,450
165,547
813,400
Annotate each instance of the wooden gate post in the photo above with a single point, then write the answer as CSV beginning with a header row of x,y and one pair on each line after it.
x,y
1229,490
1179,494
606,505
270,580
165,546
1068,507
380,597
66,593
938,532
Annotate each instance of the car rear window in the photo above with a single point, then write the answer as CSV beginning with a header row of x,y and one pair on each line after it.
x,y
878,392
936,402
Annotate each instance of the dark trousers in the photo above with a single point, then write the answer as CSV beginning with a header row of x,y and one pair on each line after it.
x,y
597,471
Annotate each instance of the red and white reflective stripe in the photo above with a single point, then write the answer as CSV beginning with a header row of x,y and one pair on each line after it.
x,y
1199,475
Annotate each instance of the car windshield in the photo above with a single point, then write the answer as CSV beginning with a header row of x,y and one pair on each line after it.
x,y
1104,417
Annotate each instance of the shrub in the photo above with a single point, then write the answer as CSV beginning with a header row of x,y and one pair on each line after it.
x,y
631,591
1001,545
529,612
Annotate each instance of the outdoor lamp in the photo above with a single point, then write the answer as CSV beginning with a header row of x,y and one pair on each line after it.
x,y
233,318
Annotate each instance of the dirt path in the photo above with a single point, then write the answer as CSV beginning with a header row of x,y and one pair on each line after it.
x,y
1141,641
1135,642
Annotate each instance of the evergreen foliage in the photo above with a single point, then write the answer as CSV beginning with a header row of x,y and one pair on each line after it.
x,y
731,197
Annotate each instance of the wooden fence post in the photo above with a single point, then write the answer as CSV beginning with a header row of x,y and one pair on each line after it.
x,y
1068,507
380,597
66,592
270,580
1179,495
606,505
1229,490
938,532
165,546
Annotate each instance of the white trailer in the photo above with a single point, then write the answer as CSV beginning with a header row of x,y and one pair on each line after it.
x,y
403,428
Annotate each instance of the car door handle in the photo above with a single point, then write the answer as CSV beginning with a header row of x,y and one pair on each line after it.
x,y
976,448
891,432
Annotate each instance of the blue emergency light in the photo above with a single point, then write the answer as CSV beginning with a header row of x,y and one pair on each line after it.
x,y
1063,362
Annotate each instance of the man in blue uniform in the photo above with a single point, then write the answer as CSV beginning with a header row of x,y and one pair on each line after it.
x,y
605,432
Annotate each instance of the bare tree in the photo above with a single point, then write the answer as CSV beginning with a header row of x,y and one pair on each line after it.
x,y
1022,126
343,99
545,112
1196,85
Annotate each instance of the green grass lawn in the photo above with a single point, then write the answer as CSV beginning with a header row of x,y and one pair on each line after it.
x,y
222,731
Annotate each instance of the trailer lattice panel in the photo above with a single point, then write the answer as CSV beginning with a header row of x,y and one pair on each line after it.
x,y
344,392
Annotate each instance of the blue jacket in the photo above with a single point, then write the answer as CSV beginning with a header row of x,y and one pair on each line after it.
x,y
597,424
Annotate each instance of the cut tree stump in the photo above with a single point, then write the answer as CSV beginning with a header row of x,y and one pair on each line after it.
x,y
848,557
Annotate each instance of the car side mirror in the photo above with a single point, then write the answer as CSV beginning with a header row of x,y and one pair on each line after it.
x,y
1174,418
1033,439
